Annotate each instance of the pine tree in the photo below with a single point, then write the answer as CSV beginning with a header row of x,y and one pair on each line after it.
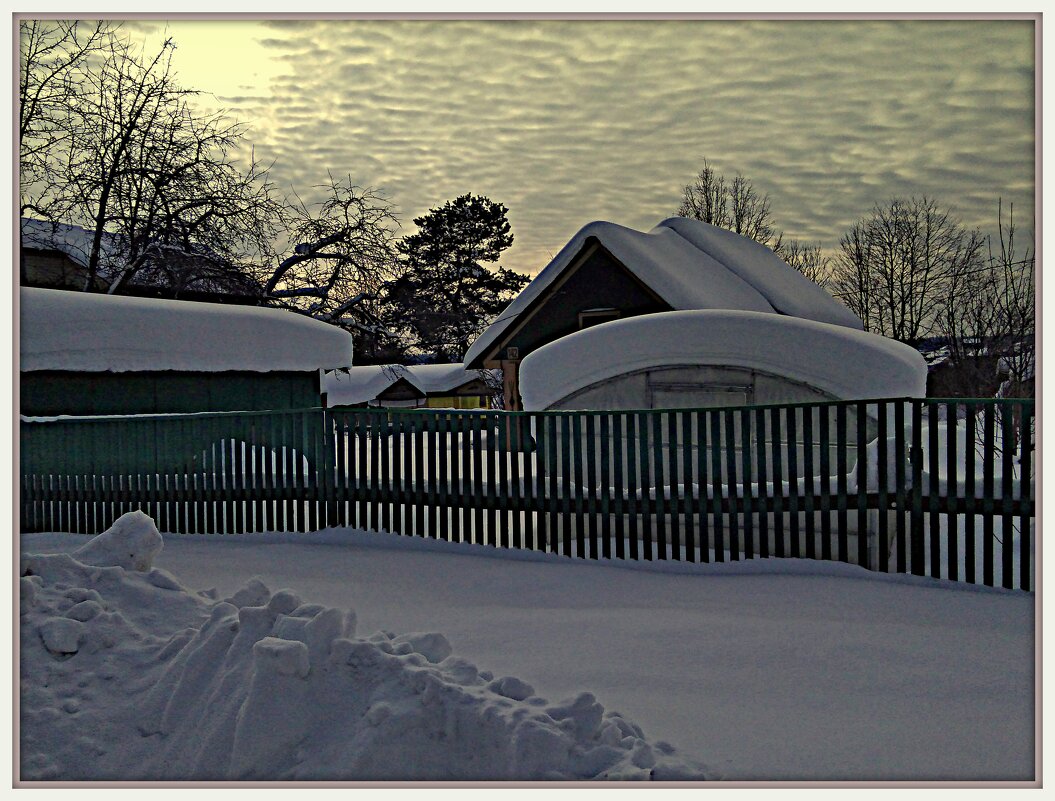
x,y
446,296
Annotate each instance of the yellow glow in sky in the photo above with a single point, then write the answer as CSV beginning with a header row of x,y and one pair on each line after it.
x,y
224,59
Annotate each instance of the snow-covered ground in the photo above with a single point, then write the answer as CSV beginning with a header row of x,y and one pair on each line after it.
x,y
770,669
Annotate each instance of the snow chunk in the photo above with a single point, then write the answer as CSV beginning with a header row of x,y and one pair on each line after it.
x,y
254,593
97,333
838,360
512,687
61,635
285,657
131,542
27,592
83,611
434,647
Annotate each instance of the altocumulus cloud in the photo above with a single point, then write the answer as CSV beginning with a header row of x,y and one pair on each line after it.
x,y
571,121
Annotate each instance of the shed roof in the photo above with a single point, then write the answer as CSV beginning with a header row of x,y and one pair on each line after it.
x,y
690,265
846,363
88,332
365,383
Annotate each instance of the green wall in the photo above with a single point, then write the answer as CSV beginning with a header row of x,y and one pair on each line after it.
x,y
46,393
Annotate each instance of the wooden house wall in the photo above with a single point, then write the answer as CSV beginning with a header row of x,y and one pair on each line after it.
x,y
599,282
47,393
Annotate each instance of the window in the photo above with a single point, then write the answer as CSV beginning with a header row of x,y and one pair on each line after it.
x,y
589,317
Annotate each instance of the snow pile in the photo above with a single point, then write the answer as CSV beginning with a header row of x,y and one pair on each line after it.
x,y
129,675
90,332
131,542
842,362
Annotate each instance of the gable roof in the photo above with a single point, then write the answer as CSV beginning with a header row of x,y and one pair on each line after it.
x,y
690,265
367,382
89,332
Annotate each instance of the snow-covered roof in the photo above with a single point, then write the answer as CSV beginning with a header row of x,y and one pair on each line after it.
x,y
71,240
90,332
364,384
841,361
690,265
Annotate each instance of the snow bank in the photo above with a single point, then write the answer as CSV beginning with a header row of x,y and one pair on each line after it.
x,y
838,360
691,265
129,675
90,332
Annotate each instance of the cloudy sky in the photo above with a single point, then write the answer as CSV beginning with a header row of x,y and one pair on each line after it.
x,y
567,122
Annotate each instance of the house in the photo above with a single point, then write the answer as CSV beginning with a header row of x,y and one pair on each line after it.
x,y
55,255
91,354
433,386
608,272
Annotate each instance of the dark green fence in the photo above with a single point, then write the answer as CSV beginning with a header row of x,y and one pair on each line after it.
x,y
943,488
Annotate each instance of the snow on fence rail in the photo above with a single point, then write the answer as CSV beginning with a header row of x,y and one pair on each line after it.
x,y
945,488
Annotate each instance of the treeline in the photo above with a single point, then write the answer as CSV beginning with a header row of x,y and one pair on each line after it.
x,y
911,271
173,197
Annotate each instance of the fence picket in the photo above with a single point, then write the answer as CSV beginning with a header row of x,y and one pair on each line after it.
x,y
988,535
633,532
933,492
604,426
952,492
715,435
861,426
619,485
592,481
1025,493
659,486
882,477
689,494
746,476
1007,520
646,489
916,458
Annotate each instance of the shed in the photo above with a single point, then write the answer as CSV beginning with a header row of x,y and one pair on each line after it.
x,y
443,386
93,354
608,272
718,358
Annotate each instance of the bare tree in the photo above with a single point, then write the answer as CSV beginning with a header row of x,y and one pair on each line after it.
x,y
343,254
52,58
735,205
1016,300
807,258
157,184
895,267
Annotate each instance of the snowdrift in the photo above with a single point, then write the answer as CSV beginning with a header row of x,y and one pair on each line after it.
x,y
127,674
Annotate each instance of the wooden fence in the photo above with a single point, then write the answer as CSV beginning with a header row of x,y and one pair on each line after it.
x,y
943,488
